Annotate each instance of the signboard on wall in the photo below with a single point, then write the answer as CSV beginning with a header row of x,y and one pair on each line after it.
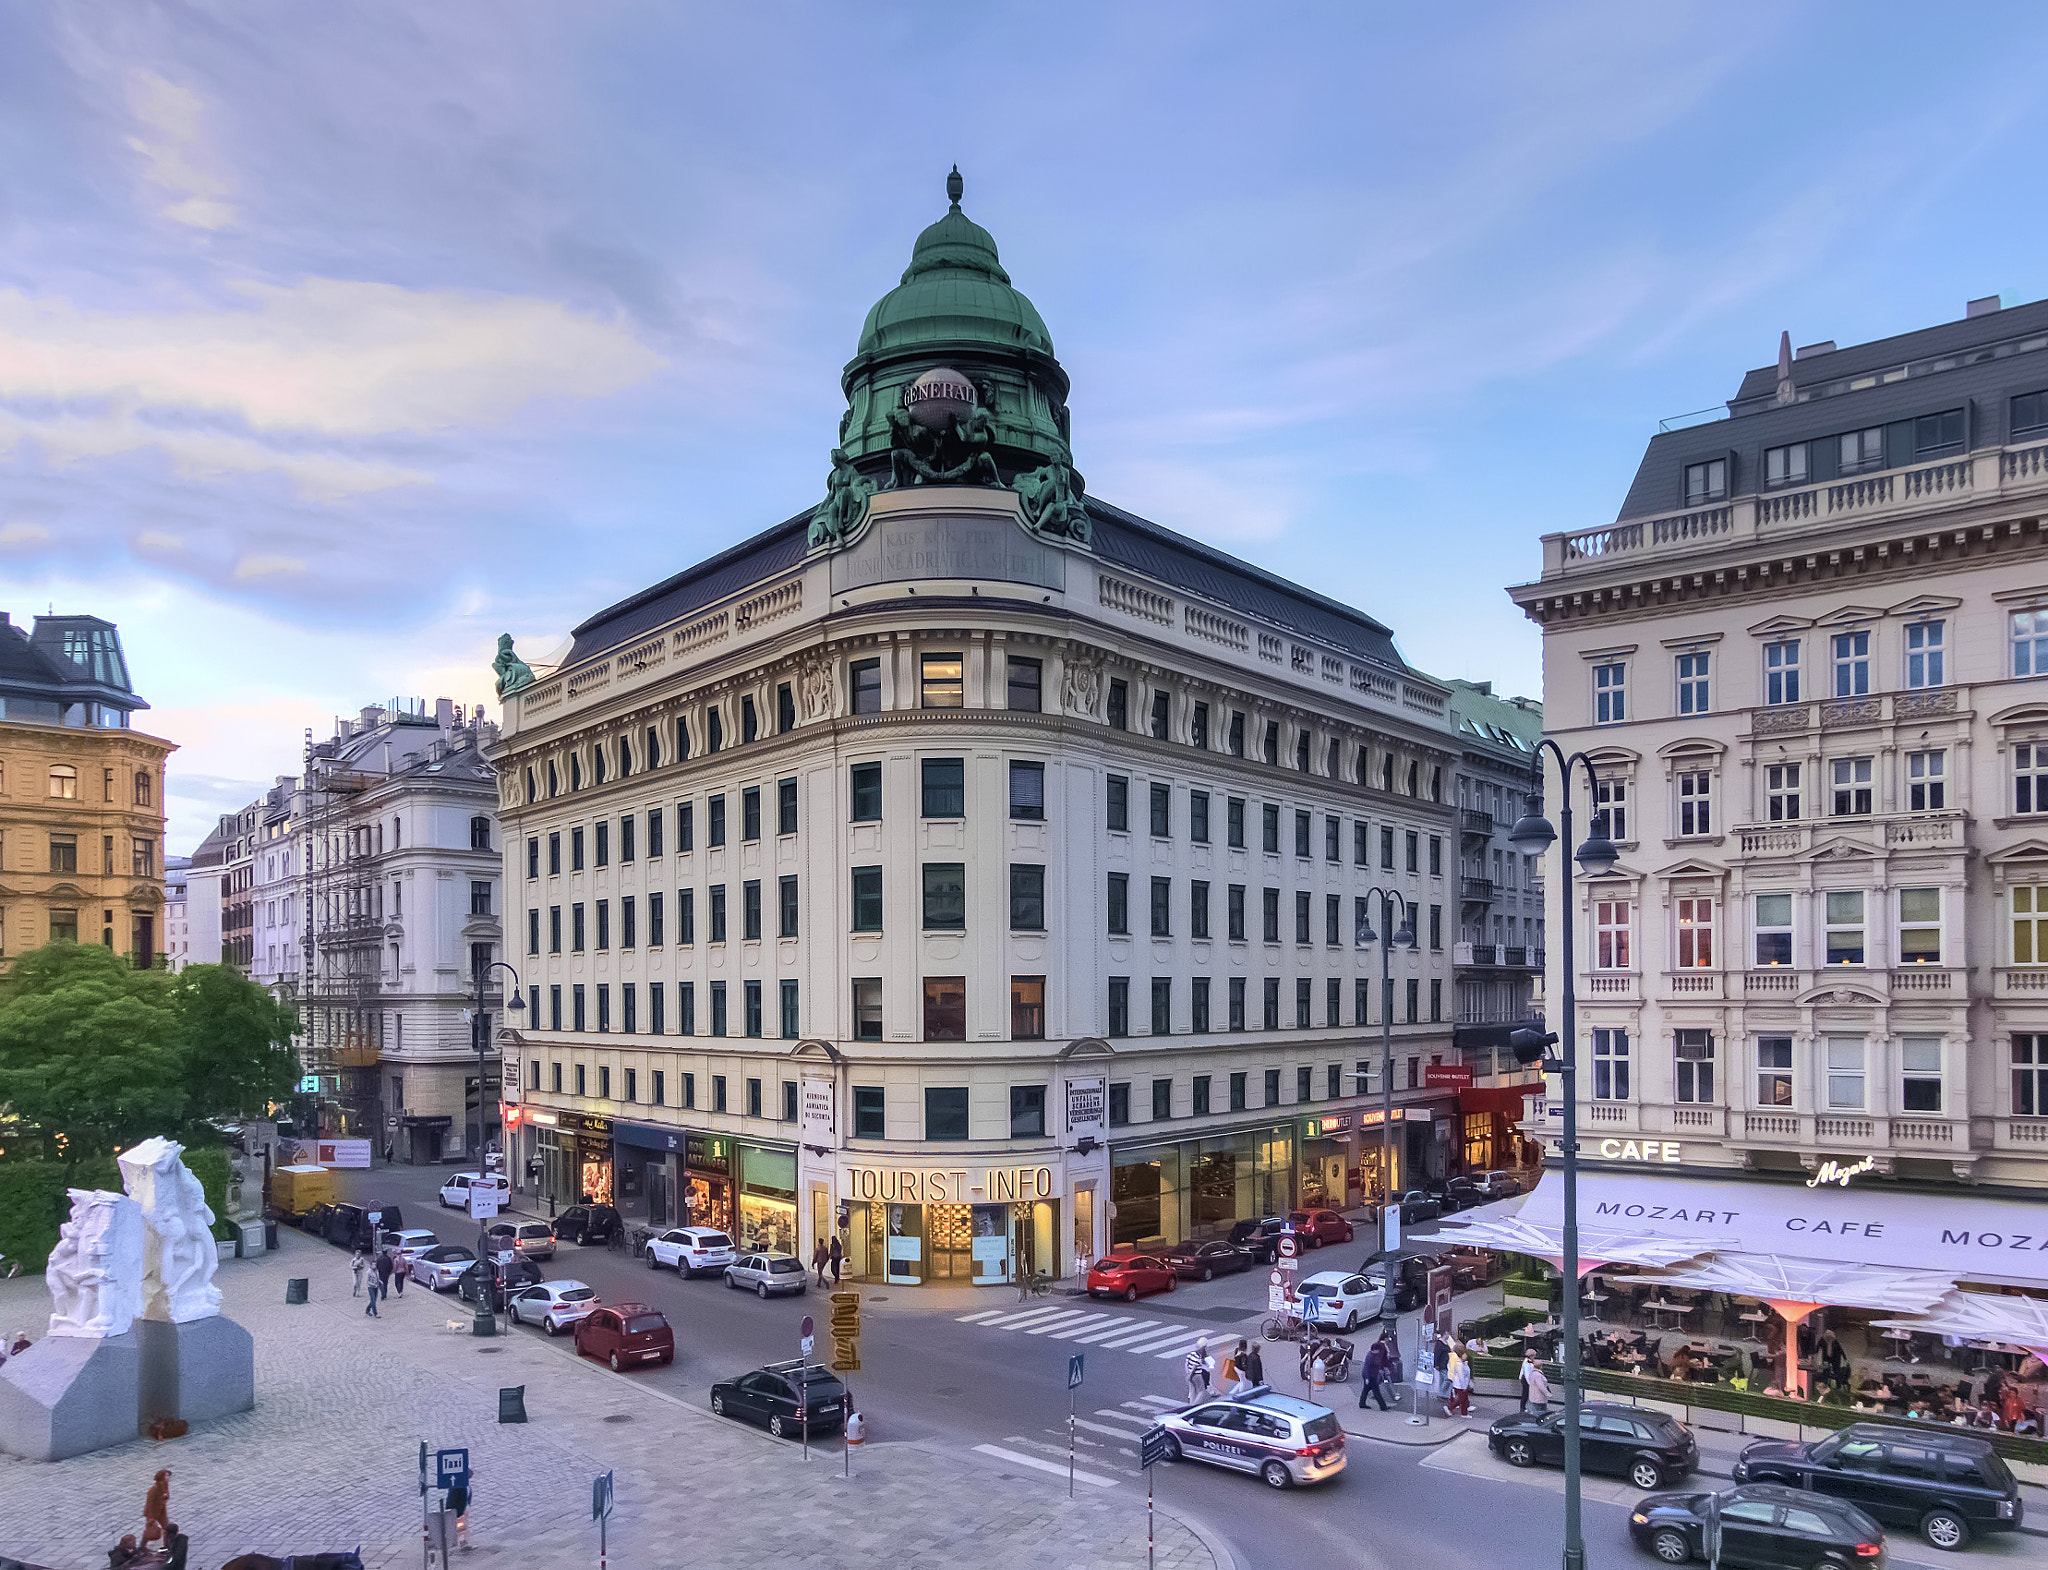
x,y
1087,1108
1454,1076
815,1103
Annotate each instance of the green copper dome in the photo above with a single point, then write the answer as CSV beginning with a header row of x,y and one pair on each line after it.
x,y
954,291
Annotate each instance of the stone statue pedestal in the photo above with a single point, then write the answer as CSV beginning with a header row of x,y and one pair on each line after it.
x,y
200,1370
67,1395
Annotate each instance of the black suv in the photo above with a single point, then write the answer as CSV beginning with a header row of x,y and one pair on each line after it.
x,y
1260,1238
490,1285
588,1224
1945,1485
1646,1447
782,1396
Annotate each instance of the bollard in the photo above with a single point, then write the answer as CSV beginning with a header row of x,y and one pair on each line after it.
x,y
485,1323
295,1289
512,1404
1317,1373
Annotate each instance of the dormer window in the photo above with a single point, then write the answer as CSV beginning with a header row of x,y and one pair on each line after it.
x,y
1706,482
1785,466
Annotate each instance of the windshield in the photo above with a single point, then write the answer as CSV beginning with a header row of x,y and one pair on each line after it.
x,y
579,1295
1321,1428
783,1267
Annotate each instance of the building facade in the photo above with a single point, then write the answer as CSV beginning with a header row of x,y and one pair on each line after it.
x,y
206,895
1808,661
967,868
177,912
81,794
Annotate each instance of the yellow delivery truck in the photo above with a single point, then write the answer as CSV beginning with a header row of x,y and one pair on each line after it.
x,y
296,1190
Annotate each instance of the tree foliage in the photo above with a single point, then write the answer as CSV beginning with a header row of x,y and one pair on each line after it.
x,y
104,1055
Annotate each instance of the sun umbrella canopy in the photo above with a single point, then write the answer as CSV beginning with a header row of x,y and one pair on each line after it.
x,y
1822,1282
1597,1245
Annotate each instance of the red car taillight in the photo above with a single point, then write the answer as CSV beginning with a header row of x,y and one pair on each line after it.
x,y
1869,1550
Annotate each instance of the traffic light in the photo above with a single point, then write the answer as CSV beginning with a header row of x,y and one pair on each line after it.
x,y
1529,1045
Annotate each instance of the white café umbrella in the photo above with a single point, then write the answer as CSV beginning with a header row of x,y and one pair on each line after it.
x,y
1597,1245
1984,1316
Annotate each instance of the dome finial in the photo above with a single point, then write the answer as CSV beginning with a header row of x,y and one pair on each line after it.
x,y
954,186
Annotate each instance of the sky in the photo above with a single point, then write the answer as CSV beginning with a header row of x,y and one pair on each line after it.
x,y
336,340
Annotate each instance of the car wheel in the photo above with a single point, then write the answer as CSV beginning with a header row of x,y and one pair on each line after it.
x,y
655,1264
1351,1321
730,1282
1172,1282
1274,1475
762,1288
615,1362
1519,1452
775,1426
1172,1448
1670,1546
1645,1473
1945,1529
667,1358
1130,1294
553,1328
718,1406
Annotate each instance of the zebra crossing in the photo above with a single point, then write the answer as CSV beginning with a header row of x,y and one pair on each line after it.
x,y
1145,1337
1126,1424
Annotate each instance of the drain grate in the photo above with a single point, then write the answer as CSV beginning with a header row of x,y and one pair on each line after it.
x,y
618,1417
489,1351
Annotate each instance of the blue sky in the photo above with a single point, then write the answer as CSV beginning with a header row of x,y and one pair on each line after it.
x,y
336,340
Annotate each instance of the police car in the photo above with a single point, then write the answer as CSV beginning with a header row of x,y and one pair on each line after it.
x,y
1279,1438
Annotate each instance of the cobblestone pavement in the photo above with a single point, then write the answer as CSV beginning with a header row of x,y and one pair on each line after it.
x,y
329,1459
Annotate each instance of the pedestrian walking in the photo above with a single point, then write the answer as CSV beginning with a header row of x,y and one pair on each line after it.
x,y
1372,1378
821,1256
837,1255
1537,1386
384,1271
1253,1363
1461,1382
358,1267
401,1268
374,1286
1197,1366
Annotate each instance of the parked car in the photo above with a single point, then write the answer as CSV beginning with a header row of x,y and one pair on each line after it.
x,y
1762,1524
1344,1298
1497,1184
455,1192
411,1241
687,1250
1279,1438
438,1267
490,1284
314,1221
768,1274
1644,1446
588,1224
1193,1261
1314,1228
626,1336
1130,1276
1261,1238
1454,1194
527,1239
782,1398
1416,1205
554,1305
1946,1485
349,1226
1411,1280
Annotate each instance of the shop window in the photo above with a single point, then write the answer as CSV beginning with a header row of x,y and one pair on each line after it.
x,y
1774,1071
1919,927
1610,1065
1023,681
939,677
1027,792
1120,1104
1027,1008
867,1008
870,1120
945,1009
1845,1073
945,896
1693,1055
2030,1076
1162,1100
1119,1006
1845,927
1027,1111
1774,929
945,1112
1920,1070
864,686
944,787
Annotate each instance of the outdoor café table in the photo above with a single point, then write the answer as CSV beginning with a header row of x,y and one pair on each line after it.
x,y
1755,1316
1666,1307
1596,1299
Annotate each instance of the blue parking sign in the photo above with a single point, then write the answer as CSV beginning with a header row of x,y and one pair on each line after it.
x,y
451,1469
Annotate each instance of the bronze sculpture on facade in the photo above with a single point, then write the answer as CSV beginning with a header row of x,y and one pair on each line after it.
x,y
513,672
1050,498
846,502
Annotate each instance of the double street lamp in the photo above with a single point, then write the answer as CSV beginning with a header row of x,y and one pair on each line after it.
x,y
1389,904
1533,834
480,1036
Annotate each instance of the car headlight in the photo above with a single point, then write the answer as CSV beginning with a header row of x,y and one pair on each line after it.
x,y
1640,1519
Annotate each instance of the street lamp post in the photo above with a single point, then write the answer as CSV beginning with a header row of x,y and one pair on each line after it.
x,y
1389,903
1534,834
480,1034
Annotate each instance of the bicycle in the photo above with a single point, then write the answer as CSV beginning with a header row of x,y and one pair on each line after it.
x,y
1034,1283
1283,1327
642,1236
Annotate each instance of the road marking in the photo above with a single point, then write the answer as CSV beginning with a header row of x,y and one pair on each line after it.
x,y
1152,1332
1030,1316
1116,1327
985,1314
1064,1322
1018,1458
1081,1326
1173,1350
1156,1402
1126,1434
1123,1417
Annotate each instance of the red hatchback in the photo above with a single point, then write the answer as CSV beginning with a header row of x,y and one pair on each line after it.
x,y
626,1336
1130,1276
1316,1227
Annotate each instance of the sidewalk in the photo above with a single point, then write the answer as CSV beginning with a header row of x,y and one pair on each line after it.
x,y
328,1460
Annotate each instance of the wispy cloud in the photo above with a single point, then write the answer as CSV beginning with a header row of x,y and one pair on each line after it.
x,y
176,154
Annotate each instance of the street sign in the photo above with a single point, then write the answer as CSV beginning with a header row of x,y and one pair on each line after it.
x,y
451,1468
483,1201
601,1497
1276,1295
1390,1216
845,1332
1290,1265
1287,1247
1152,1447
1074,1371
309,1084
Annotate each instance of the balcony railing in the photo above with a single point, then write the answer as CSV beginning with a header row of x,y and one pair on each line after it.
x,y
1775,981
1895,831
1505,956
2020,981
1476,891
1692,983
1612,985
1475,820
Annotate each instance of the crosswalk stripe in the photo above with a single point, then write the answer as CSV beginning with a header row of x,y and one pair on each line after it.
x,y
1018,1458
1157,1402
1150,1331
985,1314
1030,1316
1124,1417
1102,1334
1082,1327
1069,1321
1172,1351
1126,1434
1175,1339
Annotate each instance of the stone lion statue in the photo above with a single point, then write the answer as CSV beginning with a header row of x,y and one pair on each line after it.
x,y
180,1257
95,1271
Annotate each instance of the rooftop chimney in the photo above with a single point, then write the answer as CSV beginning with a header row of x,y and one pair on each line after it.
x,y
371,717
444,712
1984,307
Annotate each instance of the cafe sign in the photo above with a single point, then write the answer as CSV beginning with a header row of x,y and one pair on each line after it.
x,y
1839,1173
1667,1150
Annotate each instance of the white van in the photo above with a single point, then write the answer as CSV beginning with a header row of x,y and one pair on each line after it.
x,y
455,1192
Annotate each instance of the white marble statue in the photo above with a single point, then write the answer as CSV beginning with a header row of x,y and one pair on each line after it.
x,y
95,1271
180,1258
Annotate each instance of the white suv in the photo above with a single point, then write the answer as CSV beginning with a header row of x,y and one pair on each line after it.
x,y
687,1250
455,1192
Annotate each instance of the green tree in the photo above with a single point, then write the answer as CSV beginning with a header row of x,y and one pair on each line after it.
x,y
237,1042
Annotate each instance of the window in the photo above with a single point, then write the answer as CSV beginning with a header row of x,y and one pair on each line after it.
x,y
1938,433
1237,1003
1858,452
1436,856
864,686
1198,727
714,726
533,857
1436,926
1693,1054
1304,1084
1852,663
750,910
657,1023
2030,1076
1774,929
1920,1074
1414,991
1270,909
1269,829
576,849
1120,903
686,828
718,1101
1117,797
1781,792
945,896
1610,1065
1162,907
1161,700
1027,1111
1924,651
1695,934
1023,682
1162,811
1610,693
939,685
1027,1008
867,1009
1610,808
1414,845
1119,1006
1027,899
1852,787
714,829
1301,835
718,913
1695,802
1162,1100
1303,1003
682,748
627,935
1781,671
750,813
577,1021
870,1120
750,727
785,806
785,907
64,782
1333,1003
1926,780
1270,1003
2029,924
1234,912
1162,1005
945,788
1919,927
2030,778
686,916
554,929
1333,920
945,1011
1119,1104
576,927
1233,819
753,1000
1027,792
1611,934
2029,412
533,932
1692,682
1844,926
1785,466
789,1022
1199,1096
785,711
1774,1071
1198,816
1269,748
1118,711
142,863
865,788
1845,1073
945,1112
1706,482
1301,916
1198,1006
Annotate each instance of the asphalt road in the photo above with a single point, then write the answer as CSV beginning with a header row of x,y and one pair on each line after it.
x,y
974,1388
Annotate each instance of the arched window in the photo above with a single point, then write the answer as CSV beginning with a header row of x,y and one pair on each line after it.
x,y
64,782
142,788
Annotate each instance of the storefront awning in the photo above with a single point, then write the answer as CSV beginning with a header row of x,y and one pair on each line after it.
x,y
1954,1236
1597,1245
1984,1316
1822,1283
